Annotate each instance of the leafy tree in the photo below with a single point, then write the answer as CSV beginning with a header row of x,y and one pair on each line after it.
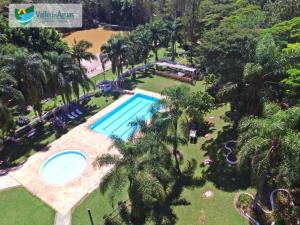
x,y
141,38
286,32
190,24
58,68
292,81
173,100
281,10
174,29
197,105
269,145
9,93
261,75
29,72
6,122
158,35
226,49
144,172
131,52
115,50
104,60
80,52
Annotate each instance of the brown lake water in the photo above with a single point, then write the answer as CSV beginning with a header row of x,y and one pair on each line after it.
x,y
97,37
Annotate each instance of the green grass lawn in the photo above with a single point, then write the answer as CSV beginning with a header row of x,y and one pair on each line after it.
x,y
223,180
99,204
218,209
17,153
19,207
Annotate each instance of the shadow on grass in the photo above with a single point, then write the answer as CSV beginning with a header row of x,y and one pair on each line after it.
x,y
16,154
165,211
132,83
224,176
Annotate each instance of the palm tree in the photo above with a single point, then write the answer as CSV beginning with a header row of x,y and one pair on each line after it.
x,y
143,171
56,68
141,38
114,49
132,56
6,122
64,76
29,72
80,52
104,60
78,79
174,98
179,103
270,145
197,105
174,28
261,78
8,90
158,35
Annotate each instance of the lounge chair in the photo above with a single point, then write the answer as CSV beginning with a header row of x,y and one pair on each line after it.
x,y
31,134
70,116
74,114
78,112
193,136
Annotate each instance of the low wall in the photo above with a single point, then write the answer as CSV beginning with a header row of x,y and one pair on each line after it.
x,y
174,76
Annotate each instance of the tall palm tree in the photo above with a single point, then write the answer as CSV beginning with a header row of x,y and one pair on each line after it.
x,y
174,98
9,94
158,35
141,38
29,72
178,103
270,145
114,49
80,52
132,56
261,78
56,68
146,177
6,122
64,76
104,60
174,28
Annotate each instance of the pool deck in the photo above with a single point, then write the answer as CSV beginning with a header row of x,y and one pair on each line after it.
x,y
64,197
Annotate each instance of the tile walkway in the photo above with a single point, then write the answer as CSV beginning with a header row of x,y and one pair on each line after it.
x,y
64,197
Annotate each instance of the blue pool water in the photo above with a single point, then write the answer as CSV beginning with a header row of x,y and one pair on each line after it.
x,y
117,122
63,167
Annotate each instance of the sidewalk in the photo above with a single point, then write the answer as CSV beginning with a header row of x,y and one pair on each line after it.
x,y
94,67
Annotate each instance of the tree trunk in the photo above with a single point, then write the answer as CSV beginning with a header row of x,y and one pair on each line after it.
x,y
175,148
173,50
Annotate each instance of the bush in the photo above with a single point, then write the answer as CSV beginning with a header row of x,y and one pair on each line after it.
x,y
244,202
174,76
98,94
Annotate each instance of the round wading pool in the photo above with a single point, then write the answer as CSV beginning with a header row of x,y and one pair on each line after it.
x,y
63,167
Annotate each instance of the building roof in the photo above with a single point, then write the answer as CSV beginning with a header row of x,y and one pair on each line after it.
x,y
176,66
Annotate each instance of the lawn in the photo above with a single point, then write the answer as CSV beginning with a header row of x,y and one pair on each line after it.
x,y
99,205
17,153
223,180
19,207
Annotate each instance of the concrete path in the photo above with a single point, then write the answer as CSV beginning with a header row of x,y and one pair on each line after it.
x,y
230,151
63,219
7,182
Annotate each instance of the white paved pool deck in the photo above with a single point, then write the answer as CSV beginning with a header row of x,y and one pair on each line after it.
x,y
64,197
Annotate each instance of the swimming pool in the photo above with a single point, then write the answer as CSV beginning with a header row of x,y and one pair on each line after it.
x,y
63,167
117,122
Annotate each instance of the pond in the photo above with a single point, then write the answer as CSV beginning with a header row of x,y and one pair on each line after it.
x,y
97,37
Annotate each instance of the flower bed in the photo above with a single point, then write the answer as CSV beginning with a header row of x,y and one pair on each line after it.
x,y
174,76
